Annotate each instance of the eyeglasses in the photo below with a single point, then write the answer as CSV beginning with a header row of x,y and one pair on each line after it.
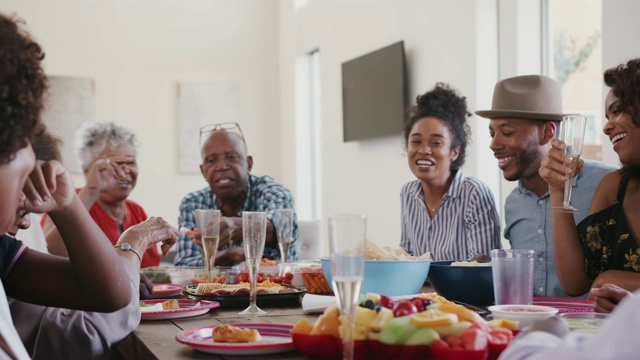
x,y
227,126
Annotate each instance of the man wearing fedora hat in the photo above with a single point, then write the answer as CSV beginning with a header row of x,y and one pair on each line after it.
x,y
525,114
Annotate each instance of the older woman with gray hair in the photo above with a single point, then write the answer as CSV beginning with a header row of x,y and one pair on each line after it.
x,y
107,153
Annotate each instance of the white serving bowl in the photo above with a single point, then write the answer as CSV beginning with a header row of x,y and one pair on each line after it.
x,y
525,315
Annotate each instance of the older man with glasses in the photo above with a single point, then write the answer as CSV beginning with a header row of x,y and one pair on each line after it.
x,y
232,189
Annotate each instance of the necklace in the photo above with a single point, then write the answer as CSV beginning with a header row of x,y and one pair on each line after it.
x,y
435,207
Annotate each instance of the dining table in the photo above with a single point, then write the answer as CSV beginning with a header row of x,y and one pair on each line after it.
x,y
156,339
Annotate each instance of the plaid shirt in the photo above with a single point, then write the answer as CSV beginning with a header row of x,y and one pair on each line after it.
x,y
264,194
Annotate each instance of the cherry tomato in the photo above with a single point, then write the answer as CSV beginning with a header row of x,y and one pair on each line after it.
x,y
288,276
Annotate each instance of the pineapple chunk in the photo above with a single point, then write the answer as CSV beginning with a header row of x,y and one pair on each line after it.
x,y
382,318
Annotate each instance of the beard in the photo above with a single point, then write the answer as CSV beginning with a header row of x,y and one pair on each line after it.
x,y
527,163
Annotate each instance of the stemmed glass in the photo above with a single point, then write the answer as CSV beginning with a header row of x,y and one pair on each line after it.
x,y
208,221
254,231
283,222
571,132
347,240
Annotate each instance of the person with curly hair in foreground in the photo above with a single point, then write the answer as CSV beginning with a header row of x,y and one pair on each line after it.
x,y
96,276
444,212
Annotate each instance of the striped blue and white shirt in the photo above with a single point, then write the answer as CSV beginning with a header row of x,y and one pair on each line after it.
x,y
263,194
465,225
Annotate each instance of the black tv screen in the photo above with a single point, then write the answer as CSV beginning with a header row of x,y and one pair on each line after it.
x,y
374,94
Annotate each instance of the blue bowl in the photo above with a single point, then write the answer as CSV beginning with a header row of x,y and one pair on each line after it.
x,y
388,277
468,284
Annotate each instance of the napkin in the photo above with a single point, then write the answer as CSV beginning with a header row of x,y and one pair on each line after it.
x,y
315,304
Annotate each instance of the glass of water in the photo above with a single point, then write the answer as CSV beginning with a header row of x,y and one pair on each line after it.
x,y
347,240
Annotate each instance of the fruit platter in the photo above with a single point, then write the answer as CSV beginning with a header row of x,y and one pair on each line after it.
x,y
426,326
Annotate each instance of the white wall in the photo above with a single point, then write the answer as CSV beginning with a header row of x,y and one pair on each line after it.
x,y
620,29
441,42
137,50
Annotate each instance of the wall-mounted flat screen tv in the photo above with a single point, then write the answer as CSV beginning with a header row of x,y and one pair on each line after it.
x,y
374,94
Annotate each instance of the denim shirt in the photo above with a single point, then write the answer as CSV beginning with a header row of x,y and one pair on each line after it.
x,y
528,224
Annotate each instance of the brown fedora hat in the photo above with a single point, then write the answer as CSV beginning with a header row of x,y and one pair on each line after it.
x,y
526,97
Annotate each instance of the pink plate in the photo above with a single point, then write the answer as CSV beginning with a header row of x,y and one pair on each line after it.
x,y
163,290
188,308
276,338
566,305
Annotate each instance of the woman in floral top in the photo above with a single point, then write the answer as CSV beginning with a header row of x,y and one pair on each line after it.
x,y
604,247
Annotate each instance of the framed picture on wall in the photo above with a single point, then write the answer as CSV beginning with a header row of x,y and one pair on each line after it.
x,y
69,102
199,104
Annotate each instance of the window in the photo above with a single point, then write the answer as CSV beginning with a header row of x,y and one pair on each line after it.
x,y
308,185
573,56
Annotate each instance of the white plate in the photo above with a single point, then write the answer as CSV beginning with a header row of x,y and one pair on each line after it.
x,y
276,338
162,290
187,309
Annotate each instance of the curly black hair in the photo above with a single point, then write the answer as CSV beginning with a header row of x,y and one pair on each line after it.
x,y
46,146
443,103
624,81
22,86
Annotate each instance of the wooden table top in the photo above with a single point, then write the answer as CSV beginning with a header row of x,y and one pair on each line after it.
x,y
156,339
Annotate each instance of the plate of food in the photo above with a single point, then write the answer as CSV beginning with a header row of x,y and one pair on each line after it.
x,y
239,339
566,305
163,290
174,308
237,295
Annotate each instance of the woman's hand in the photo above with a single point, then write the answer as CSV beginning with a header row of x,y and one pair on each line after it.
x,y
105,173
146,287
150,232
555,166
48,188
607,297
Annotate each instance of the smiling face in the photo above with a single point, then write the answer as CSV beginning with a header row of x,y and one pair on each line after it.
x,y
225,164
14,175
519,146
125,156
429,150
623,133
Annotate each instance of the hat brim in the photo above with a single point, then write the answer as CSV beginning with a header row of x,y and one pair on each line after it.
x,y
491,114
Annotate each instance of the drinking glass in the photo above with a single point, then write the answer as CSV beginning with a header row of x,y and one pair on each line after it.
x,y
254,232
208,221
283,222
512,271
347,242
572,133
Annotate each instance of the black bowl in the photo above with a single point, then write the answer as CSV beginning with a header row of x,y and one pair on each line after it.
x,y
468,284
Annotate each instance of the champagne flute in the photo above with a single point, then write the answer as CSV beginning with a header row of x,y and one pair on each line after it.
x,y
283,222
347,240
254,232
208,221
571,132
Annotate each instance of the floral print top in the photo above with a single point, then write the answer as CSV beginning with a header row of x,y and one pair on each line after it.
x,y
606,240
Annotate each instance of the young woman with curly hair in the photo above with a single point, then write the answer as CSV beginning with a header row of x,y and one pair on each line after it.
x,y
444,212
603,248
96,277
